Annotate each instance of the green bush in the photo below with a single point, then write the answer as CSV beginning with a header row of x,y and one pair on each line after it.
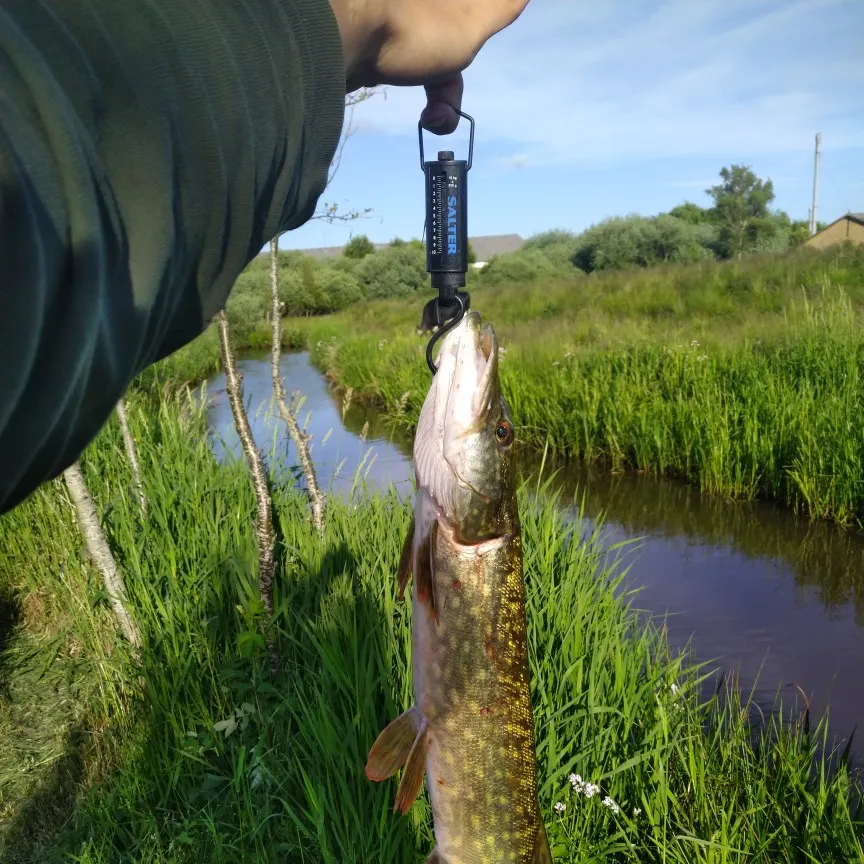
x,y
414,244
339,288
248,303
524,266
636,241
317,289
358,247
557,245
398,271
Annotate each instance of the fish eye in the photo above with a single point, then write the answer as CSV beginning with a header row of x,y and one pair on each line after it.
x,y
504,432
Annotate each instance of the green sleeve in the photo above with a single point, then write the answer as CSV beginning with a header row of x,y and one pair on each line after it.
x,y
148,150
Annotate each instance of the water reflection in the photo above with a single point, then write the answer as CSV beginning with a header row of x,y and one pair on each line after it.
x,y
749,585
776,598
337,449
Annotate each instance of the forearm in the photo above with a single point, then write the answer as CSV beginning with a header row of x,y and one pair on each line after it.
x,y
147,151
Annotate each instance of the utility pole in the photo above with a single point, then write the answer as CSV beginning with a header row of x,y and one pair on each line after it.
x,y
813,206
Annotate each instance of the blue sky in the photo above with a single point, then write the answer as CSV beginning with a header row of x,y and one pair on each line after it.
x,y
586,110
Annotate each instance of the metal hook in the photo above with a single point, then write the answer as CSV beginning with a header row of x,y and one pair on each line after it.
x,y
441,331
470,119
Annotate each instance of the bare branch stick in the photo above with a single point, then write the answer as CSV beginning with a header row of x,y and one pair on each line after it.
x,y
100,551
131,454
300,438
264,521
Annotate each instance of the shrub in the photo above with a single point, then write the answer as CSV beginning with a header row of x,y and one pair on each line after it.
x,y
248,303
314,289
398,271
557,245
358,247
338,289
636,241
524,266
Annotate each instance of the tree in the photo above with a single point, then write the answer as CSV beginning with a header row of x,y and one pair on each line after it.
x,y
740,201
692,213
358,247
799,231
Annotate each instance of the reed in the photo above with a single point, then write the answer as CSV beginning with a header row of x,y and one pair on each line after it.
x,y
743,378
202,752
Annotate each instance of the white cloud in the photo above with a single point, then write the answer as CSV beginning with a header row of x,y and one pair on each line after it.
x,y
587,82
514,161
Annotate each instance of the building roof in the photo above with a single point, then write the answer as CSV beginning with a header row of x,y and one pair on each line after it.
x,y
484,247
495,244
855,217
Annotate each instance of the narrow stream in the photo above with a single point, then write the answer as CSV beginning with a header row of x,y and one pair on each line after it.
x,y
756,591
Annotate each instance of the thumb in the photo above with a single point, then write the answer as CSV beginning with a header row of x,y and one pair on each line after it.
x,y
443,100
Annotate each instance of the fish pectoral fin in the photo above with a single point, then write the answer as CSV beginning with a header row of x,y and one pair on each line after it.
x,y
424,572
405,562
412,776
542,852
434,858
393,745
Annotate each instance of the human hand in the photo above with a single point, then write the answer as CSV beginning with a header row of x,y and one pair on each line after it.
x,y
414,42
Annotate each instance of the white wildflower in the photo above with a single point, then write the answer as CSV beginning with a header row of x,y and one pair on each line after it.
x,y
560,806
577,783
608,802
695,342
555,363
637,811
590,790
673,687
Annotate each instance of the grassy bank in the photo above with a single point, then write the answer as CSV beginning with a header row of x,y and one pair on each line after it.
x,y
744,378
203,754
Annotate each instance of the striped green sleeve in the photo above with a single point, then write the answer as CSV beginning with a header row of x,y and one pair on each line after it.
x,y
148,150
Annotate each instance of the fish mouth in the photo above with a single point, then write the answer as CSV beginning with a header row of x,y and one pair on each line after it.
x,y
488,384
457,407
488,342
475,347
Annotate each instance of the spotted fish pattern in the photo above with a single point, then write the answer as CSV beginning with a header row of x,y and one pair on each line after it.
x,y
470,732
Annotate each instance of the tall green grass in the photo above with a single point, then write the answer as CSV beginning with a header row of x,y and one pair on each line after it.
x,y
745,379
202,753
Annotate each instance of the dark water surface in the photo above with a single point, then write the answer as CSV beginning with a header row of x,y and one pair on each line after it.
x,y
775,598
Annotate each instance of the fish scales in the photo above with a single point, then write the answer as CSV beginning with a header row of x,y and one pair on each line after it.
x,y
480,763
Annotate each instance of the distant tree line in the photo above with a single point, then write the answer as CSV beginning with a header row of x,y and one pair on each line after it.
x,y
739,222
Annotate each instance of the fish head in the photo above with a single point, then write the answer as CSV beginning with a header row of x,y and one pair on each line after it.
x,y
463,446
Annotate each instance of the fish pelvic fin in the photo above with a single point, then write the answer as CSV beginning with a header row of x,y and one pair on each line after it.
x,y
412,776
542,853
393,745
405,560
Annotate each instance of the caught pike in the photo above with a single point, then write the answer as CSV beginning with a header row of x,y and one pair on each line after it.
x,y
470,730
